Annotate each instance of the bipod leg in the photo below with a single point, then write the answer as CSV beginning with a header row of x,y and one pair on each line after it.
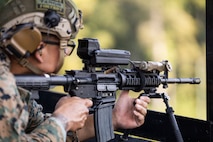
x,y
170,112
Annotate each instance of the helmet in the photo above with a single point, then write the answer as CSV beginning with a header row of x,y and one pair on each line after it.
x,y
60,17
23,21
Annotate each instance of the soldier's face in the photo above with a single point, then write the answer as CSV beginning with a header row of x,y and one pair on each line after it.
x,y
53,58
52,54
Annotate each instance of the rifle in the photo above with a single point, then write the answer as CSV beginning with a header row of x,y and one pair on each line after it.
x,y
100,78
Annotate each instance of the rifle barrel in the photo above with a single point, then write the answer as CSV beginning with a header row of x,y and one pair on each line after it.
x,y
181,80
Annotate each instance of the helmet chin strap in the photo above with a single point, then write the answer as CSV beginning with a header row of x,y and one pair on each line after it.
x,y
25,63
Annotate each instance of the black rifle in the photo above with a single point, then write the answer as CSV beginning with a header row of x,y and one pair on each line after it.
x,y
101,77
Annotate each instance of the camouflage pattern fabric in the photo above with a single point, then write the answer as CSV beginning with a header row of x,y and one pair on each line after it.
x,y
21,119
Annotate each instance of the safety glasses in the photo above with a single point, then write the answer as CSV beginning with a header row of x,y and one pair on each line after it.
x,y
67,50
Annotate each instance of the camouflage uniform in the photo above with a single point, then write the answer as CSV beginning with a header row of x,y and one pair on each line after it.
x,y
21,119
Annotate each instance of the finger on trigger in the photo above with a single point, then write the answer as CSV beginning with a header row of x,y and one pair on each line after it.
x,y
88,102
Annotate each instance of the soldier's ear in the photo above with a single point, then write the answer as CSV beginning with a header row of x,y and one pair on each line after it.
x,y
38,53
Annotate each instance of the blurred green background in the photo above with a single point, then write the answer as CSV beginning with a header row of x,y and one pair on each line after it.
x,y
153,30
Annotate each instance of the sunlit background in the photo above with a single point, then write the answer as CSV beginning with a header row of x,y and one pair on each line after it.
x,y
153,30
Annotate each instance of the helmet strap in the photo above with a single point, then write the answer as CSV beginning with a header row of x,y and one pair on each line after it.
x,y
25,63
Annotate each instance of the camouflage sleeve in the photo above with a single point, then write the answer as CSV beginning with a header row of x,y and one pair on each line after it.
x,y
14,115
49,131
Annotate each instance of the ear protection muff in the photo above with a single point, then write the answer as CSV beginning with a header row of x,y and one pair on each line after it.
x,y
21,40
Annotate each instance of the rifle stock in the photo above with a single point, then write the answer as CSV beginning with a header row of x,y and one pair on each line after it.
x,y
101,77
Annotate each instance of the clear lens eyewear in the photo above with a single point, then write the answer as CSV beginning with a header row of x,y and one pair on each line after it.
x,y
67,50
